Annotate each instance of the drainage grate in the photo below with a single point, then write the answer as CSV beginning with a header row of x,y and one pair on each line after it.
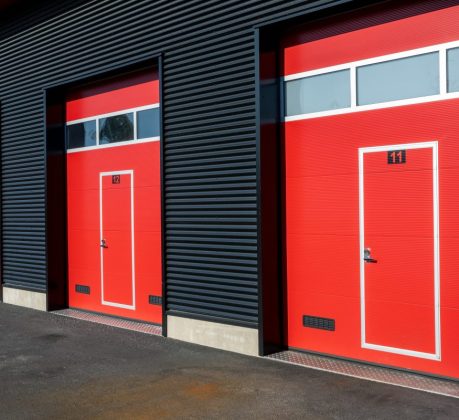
x,y
111,321
371,373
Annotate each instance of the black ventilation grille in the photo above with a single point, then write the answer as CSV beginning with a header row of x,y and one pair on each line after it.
x,y
155,300
319,323
79,288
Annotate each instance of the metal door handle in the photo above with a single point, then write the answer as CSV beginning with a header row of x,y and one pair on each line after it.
x,y
367,256
103,244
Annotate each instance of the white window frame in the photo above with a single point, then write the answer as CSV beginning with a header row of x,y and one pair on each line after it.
x,y
352,66
98,117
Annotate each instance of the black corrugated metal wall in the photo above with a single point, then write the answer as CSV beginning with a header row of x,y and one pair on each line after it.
x,y
209,130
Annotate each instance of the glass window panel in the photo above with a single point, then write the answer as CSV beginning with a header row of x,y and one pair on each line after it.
x,y
148,123
318,93
404,78
116,128
81,134
453,70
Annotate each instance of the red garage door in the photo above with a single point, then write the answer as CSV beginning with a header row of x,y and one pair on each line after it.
x,y
113,184
371,192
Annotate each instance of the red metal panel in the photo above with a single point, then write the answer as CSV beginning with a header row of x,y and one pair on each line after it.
x,y
321,208
404,34
124,93
322,232
322,248
84,169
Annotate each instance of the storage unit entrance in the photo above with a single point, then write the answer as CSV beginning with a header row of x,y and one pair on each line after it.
x,y
113,198
371,215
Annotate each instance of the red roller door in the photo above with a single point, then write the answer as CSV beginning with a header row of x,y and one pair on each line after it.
x,y
371,205
113,184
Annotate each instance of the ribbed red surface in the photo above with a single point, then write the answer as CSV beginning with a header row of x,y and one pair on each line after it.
x,y
399,35
115,95
322,212
84,196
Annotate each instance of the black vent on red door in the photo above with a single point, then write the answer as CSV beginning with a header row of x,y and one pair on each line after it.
x,y
155,300
79,288
319,323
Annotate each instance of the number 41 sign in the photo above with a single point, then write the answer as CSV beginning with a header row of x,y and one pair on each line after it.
x,y
396,157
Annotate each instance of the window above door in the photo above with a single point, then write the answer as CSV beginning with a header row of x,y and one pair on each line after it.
x,y
408,77
118,128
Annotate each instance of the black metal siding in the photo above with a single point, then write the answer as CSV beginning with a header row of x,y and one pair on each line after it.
x,y
209,130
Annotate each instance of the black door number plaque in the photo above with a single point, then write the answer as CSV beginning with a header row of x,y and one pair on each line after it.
x,y
396,156
116,179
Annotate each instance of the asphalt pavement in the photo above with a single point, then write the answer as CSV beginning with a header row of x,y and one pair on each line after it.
x,y
52,367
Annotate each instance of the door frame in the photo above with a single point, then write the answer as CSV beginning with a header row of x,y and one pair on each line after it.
x,y
436,236
101,226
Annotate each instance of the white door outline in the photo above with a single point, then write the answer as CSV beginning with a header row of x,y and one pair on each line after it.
x,y
436,250
105,302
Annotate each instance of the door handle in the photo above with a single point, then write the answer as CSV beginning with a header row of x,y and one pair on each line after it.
x,y
367,256
103,244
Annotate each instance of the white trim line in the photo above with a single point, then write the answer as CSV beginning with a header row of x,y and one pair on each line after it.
x,y
443,72
103,301
97,135
112,114
135,124
436,236
443,94
109,145
353,86
360,108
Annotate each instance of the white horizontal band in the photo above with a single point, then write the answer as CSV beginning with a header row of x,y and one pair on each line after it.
x,y
109,145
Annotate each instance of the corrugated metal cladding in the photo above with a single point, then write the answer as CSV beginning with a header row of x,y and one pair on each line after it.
x,y
210,133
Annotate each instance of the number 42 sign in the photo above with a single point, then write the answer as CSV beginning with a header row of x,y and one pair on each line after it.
x,y
396,156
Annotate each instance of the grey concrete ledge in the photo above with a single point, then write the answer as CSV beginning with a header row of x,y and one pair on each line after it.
x,y
220,336
25,298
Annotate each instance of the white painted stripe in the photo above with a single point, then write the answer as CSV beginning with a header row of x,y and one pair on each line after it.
x,y
97,136
436,216
436,237
392,104
110,145
443,72
353,86
103,300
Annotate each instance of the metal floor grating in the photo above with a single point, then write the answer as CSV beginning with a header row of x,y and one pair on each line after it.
x,y
111,321
372,373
